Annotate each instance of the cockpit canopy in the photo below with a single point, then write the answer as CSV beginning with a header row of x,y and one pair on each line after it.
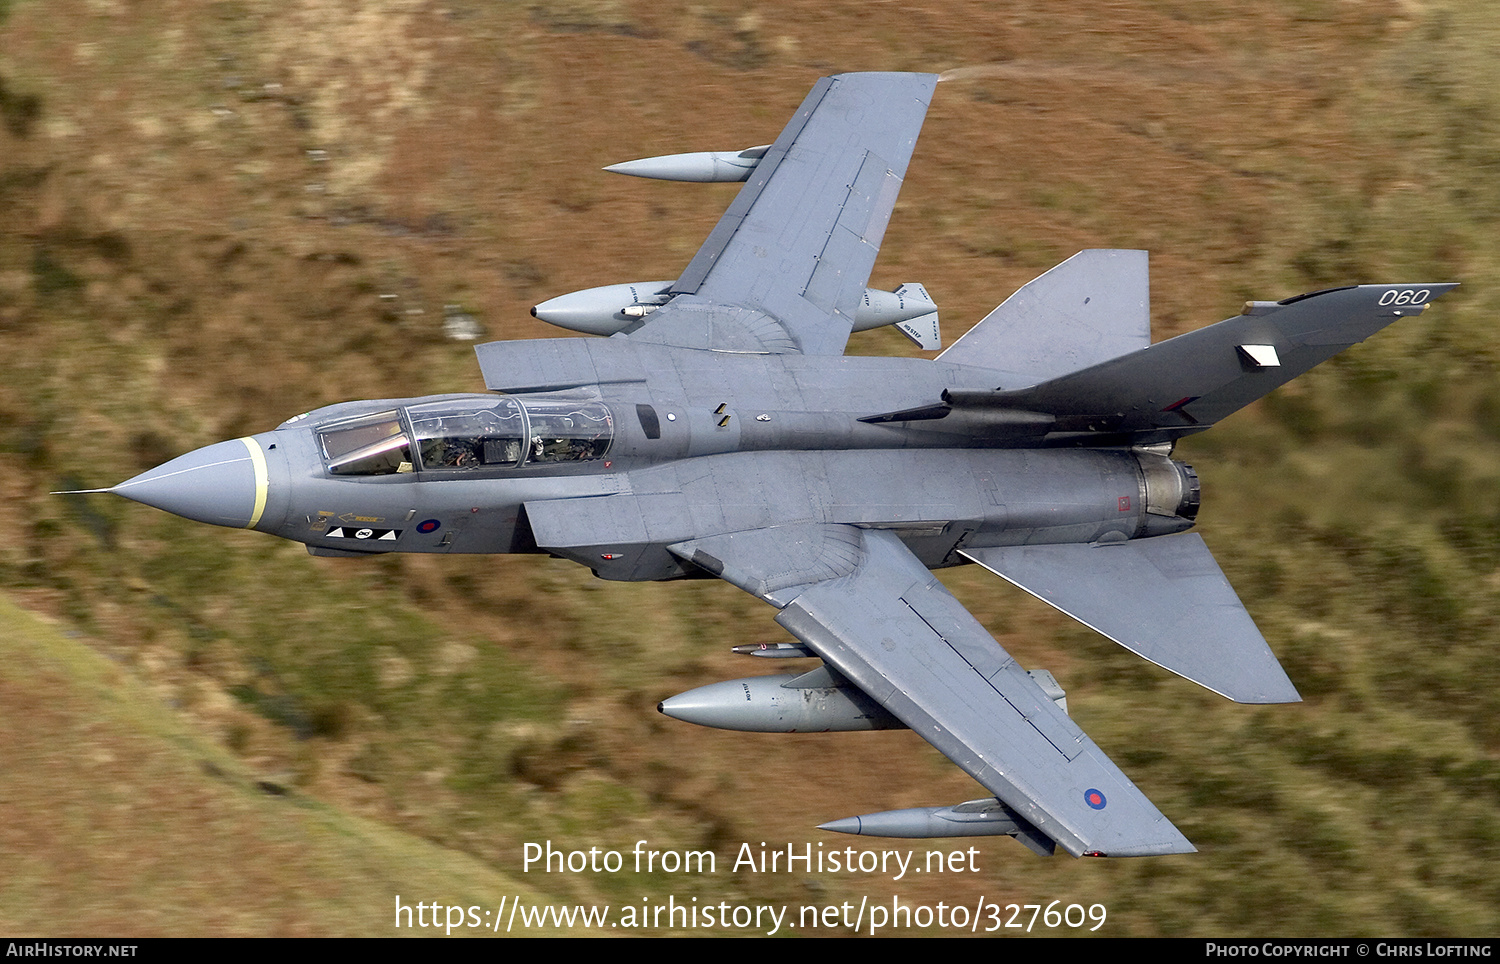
x,y
468,433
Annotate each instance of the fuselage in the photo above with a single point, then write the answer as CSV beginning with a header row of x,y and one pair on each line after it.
x,y
644,446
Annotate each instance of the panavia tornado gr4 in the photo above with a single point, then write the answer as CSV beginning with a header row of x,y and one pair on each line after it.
x,y
718,429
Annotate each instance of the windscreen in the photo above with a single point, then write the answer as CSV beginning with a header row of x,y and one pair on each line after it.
x,y
368,445
469,434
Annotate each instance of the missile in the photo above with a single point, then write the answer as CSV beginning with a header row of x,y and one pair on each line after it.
x,y
774,650
987,817
703,167
812,702
610,309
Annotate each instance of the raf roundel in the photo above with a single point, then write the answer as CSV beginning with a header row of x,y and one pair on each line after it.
x,y
1094,799
429,525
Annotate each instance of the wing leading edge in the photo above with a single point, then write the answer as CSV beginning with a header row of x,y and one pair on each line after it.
x,y
872,611
785,268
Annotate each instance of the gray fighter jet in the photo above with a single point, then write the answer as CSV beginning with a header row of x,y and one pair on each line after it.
x,y
719,430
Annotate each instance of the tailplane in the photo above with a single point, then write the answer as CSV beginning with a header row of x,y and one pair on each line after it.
x,y
1164,599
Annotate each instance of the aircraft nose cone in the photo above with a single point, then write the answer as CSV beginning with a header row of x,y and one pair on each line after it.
x,y
223,484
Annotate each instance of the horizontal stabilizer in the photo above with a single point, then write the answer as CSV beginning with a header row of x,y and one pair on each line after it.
x,y
1164,599
1093,307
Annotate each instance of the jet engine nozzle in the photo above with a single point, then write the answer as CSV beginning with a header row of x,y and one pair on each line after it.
x,y
1173,494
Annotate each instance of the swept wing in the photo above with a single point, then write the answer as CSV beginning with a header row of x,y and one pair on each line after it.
x,y
785,268
868,607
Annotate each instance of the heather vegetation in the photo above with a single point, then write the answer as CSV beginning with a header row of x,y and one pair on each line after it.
x,y
215,216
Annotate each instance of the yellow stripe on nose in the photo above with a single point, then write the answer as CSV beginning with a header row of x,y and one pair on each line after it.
x,y
262,479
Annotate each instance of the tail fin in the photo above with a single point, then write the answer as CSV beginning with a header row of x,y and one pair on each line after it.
x,y
1093,307
1185,384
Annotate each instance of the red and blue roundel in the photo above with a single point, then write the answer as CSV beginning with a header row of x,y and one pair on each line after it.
x,y
1094,798
430,525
